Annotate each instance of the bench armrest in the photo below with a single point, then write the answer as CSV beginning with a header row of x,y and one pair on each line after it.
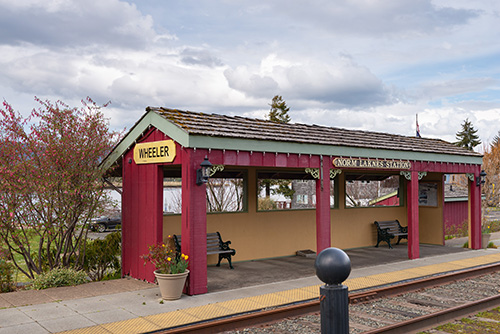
x,y
403,229
385,232
224,245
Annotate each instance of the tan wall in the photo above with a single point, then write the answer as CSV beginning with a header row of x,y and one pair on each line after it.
x,y
431,219
353,227
257,235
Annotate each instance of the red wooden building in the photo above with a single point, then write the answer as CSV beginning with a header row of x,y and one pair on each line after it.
x,y
173,143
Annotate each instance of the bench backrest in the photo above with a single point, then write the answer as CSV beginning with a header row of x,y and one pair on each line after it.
x,y
212,241
392,225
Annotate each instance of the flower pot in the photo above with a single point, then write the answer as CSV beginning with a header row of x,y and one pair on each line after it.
x,y
171,285
485,240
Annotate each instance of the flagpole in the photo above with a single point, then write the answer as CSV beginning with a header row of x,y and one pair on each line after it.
x,y
417,127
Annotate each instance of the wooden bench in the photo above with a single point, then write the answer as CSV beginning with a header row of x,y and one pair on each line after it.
x,y
388,229
215,245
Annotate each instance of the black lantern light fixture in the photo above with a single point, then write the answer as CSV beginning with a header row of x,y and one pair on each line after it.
x,y
203,173
481,179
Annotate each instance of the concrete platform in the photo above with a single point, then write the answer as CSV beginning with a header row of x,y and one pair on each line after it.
x,y
131,306
281,269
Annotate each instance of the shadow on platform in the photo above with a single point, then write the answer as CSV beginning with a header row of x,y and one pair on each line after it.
x,y
250,273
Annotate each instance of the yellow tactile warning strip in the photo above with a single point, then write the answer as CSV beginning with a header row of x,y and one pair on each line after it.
x,y
176,318
132,326
242,305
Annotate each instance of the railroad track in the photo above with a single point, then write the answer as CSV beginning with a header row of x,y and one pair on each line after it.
x,y
400,308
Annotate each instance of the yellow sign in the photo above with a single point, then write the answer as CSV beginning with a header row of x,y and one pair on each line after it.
x,y
371,163
154,152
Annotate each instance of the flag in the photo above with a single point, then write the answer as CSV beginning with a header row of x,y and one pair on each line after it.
x,y
418,129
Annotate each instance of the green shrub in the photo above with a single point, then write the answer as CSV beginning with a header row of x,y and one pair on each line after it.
x,y
267,204
102,257
494,225
6,272
457,231
59,277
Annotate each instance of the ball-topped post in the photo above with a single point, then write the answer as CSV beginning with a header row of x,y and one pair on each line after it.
x,y
333,266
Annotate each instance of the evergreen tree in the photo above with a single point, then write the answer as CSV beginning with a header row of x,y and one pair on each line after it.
x,y
467,137
278,114
496,140
279,110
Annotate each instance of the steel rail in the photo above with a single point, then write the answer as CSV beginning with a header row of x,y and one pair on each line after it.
x,y
260,317
435,319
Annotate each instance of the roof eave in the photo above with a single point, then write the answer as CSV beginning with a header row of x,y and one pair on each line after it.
x,y
150,118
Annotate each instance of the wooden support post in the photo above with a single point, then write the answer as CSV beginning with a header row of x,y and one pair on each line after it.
x,y
323,225
194,222
412,214
142,215
475,212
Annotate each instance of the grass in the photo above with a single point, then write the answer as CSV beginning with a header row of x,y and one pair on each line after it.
x,y
476,324
20,277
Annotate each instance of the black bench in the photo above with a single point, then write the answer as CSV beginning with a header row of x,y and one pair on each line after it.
x,y
388,229
215,245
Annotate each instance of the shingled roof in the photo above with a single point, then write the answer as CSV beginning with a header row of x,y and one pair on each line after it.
x,y
214,125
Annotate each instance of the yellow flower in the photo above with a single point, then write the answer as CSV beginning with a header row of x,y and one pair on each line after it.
x,y
164,245
169,259
185,257
169,236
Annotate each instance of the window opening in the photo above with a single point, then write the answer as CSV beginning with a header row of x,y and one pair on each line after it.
x,y
375,190
296,191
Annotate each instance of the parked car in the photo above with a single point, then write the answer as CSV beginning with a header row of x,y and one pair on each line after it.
x,y
104,223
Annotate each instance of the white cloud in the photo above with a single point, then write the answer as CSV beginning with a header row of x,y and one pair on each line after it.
x,y
445,88
340,82
375,17
75,23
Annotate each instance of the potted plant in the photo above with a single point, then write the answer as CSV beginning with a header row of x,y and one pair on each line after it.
x,y
171,268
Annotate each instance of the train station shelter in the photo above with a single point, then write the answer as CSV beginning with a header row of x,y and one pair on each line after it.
x,y
338,182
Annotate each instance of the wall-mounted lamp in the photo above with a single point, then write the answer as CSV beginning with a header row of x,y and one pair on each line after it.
x,y
481,179
203,173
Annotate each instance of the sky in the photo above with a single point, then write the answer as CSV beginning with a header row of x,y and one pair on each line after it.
x,y
356,64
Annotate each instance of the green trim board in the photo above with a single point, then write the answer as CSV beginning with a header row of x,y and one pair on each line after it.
x,y
460,199
327,150
456,199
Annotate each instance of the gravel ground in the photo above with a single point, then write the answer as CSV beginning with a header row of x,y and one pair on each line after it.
x,y
381,312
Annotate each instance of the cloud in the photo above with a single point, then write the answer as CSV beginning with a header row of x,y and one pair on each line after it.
x,y
251,84
70,23
375,17
453,87
340,82
199,56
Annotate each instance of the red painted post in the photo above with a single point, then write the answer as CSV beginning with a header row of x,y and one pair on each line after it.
x,y
323,225
413,224
142,215
475,212
194,222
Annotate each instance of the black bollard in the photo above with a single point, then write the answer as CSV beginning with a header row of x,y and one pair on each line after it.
x,y
333,266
